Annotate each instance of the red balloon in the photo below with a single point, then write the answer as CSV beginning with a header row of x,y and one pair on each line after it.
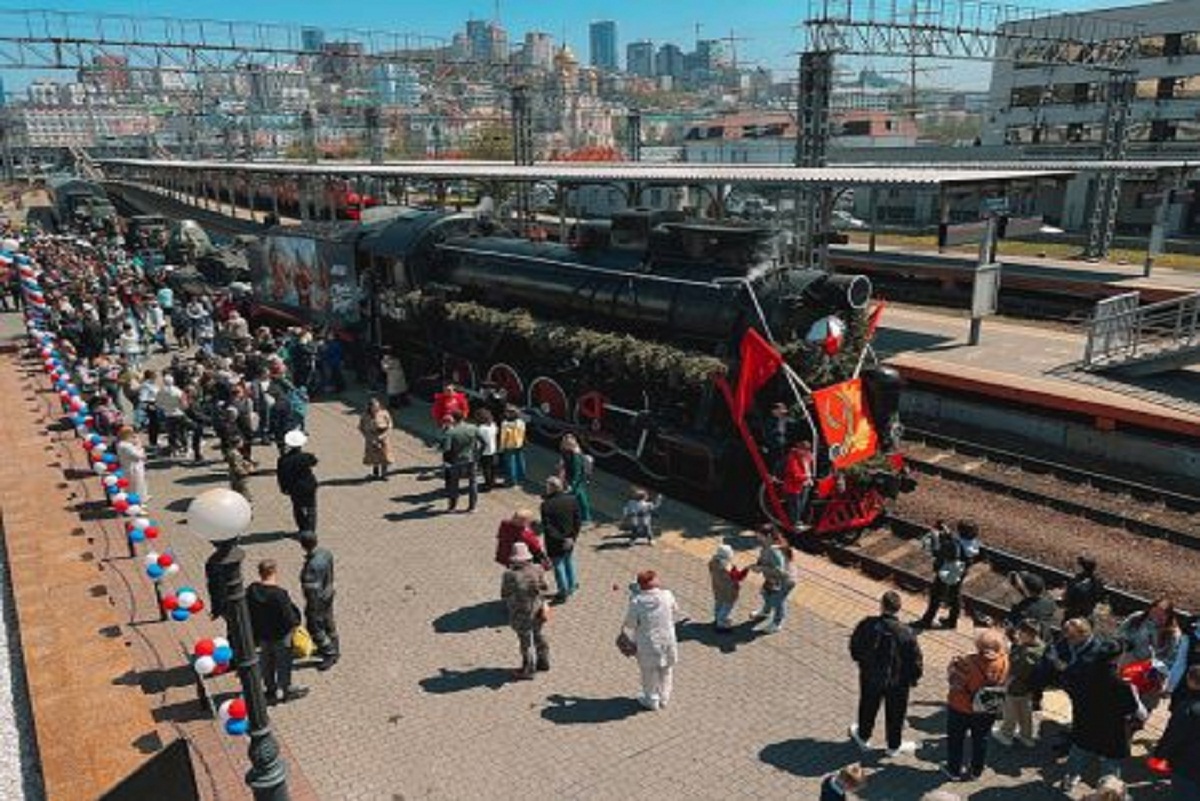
x,y
165,560
204,647
97,457
1159,766
123,482
237,708
220,669
170,603
66,396
87,445
121,506
114,467
196,607
89,421
151,532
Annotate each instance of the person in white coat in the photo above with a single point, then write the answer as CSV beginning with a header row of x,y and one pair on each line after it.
x,y
650,623
132,458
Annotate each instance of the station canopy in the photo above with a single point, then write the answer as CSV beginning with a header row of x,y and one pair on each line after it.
x,y
574,172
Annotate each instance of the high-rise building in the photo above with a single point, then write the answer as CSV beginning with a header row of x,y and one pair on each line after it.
x,y
481,43
497,43
312,40
538,50
669,61
603,39
639,59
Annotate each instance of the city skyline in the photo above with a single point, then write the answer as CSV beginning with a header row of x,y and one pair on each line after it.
x,y
768,33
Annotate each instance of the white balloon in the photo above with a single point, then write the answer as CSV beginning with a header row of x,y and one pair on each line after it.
x,y
151,558
10,244
186,599
219,515
205,665
109,480
134,510
223,710
100,467
120,496
219,642
141,524
173,568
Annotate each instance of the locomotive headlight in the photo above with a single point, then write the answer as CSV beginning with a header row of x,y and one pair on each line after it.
x,y
855,290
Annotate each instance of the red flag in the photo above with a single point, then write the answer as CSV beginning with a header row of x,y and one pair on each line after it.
x,y
760,361
874,318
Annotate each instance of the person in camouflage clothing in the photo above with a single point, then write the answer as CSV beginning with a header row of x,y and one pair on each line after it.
x,y
524,591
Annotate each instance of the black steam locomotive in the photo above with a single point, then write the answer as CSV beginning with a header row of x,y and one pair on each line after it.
x,y
629,335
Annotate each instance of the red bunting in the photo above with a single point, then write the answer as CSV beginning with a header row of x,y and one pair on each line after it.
x,y
759,362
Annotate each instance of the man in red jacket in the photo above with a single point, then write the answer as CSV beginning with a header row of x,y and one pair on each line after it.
x,y
448,401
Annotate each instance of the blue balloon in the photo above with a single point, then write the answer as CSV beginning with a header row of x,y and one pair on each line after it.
x,y
113,490
180,614
133,498
155,572
118,473
237,727
222,654
137,535
95,439
109,458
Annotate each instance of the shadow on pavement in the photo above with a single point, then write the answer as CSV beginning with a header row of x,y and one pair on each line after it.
x,y
153,682
483,615
349,481
424,497
808,757
260,537
182,712
199,480
910,781
933,723
726,642
456,681
570,709
415,513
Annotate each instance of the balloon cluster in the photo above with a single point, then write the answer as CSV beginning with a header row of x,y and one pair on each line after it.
x,y
212,657
160,565
233,715
182,604
141,529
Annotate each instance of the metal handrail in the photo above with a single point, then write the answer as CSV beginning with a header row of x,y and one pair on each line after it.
x,y
1150,329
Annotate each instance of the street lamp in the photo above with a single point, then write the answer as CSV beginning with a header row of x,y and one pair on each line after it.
x,y
220,516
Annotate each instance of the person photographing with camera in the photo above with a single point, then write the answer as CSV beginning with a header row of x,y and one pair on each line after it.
x,y
953,552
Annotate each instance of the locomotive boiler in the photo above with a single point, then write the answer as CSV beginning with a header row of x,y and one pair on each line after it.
x,y
633,335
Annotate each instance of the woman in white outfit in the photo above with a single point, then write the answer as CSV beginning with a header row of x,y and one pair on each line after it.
x,y
132,457
650,622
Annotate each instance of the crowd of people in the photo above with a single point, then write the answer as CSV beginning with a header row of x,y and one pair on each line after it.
x,y
233,389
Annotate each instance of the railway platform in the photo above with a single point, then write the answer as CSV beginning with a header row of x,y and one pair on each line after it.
x,y
1033,367
421,705
1087,280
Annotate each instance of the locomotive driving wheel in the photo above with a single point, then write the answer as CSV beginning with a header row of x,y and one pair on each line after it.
x,y
507,378
459,371
549,405
594,435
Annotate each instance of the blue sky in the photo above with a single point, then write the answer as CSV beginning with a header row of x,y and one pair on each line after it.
x,y
768,26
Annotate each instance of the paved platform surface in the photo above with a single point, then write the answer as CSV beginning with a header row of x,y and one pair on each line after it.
x,y
421,705
1033,364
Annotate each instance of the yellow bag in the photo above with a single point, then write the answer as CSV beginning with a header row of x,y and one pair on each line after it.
x,y
303,646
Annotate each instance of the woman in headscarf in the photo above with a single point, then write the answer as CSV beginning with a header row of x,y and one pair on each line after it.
x,y
375,425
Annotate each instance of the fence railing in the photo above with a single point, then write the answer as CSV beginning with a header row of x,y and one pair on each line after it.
x,y
1121,331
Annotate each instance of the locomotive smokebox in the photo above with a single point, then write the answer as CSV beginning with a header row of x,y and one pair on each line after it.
x,y
847,291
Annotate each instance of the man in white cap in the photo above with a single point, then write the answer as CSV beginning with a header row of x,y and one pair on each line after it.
x,y
294,472
523,591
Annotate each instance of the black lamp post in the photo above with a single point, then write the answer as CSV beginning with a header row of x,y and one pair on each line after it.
x,y
220,516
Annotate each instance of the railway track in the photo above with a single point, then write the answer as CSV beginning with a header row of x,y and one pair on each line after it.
x,y
1138,508
892,552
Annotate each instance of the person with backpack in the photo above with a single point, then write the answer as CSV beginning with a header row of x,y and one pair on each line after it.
x,y
976,697
889,665
1084,591
953,553
575,469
